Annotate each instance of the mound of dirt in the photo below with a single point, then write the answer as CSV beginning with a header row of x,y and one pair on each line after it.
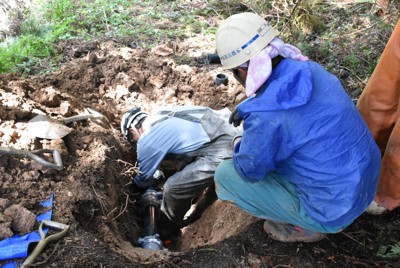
x,y
91,192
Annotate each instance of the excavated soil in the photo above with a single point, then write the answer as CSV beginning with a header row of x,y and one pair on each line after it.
x,y
91,193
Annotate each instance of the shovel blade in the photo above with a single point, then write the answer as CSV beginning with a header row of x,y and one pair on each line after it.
x,y
43,127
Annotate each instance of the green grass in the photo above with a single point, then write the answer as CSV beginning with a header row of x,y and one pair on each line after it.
x,y
56,20
26,48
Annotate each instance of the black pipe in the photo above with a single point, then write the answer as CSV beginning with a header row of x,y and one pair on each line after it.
x,y
150,225
213,59
150,205
221,79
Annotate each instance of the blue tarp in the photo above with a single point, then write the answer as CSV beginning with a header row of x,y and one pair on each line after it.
x,y
16,246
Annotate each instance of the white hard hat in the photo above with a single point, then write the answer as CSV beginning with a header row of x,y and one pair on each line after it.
x,y
130,119
240,37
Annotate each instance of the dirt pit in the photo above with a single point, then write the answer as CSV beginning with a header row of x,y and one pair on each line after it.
x,y
91,192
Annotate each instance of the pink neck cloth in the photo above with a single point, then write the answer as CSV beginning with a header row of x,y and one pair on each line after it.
x,y
260,66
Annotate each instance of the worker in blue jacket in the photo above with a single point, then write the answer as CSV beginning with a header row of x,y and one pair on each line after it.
x,y
197,136
306,161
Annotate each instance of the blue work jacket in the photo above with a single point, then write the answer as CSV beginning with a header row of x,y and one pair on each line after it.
x,y
172,136
303,125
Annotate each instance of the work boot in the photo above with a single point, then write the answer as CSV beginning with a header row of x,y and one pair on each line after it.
x,y
167,230
375,209
285,232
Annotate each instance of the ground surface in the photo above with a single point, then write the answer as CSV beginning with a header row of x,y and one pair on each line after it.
x,y
91,194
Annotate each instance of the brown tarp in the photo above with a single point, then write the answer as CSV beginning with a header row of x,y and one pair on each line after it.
x,y
379,105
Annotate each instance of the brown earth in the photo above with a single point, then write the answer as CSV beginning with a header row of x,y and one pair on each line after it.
x,y
91,193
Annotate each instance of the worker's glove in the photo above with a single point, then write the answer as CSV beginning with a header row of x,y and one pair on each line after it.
x,y
135,189
235,118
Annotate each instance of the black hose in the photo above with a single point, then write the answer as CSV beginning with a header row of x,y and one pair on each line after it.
x,y
213,59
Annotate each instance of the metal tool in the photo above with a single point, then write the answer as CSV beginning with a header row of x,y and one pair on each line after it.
x,y
34,156
45,240
41,126
150,202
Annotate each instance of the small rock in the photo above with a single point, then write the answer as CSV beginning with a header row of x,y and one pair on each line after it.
x,y
65,108
163,50
156,62
185,88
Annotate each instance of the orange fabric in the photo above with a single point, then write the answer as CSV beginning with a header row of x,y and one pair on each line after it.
x,y
379,106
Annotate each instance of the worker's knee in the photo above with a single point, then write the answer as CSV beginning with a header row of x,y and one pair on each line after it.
x,y
167,189
171,191
223,170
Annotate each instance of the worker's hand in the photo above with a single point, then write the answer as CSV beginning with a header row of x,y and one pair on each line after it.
x,y
135,189
235,118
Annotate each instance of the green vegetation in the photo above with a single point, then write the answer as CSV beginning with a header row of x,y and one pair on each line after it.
x,y
26,49
351,62
343,38
56,20
391,251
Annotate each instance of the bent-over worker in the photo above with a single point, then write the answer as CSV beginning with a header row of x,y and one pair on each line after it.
x,y
197,135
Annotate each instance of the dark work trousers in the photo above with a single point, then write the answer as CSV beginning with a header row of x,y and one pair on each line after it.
x,y
191,181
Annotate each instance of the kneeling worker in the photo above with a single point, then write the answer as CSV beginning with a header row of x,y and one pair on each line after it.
x,y
198,136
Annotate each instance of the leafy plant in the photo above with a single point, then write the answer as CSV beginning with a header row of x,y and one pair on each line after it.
x,y
23,49
33,27
351,61
57,10
390,251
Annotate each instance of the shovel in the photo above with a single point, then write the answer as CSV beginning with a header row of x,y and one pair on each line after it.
x,y
34,155
44,127
45,240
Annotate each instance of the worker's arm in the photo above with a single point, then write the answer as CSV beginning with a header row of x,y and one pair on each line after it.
x,y
150,156
255,154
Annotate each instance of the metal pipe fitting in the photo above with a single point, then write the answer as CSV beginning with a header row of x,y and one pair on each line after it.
x,y
221,79
151,242
150,205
